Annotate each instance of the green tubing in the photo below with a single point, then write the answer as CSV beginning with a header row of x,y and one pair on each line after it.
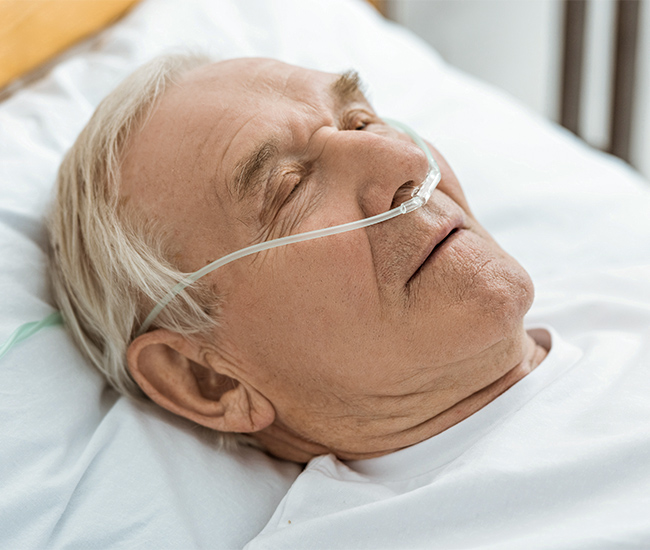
x,y
26,330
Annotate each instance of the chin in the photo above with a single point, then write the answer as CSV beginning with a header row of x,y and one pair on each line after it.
x,y
507,295
486,275
495,291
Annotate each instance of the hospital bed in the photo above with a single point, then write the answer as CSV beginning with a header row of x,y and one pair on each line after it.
x,y
80,466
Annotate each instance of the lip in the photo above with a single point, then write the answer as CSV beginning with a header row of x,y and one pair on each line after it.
x,y
447,231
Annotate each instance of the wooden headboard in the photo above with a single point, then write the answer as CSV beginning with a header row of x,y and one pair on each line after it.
x,y
380,5
34,31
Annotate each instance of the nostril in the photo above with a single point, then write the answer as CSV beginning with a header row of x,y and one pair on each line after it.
x,y
404,193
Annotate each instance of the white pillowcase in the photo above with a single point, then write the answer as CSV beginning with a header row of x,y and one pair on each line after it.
x,y
82,467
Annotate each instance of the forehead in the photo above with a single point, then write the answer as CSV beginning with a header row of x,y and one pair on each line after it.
x,y
245,83
232,102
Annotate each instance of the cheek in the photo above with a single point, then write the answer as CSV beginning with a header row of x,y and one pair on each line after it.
x,y
334,273
305,302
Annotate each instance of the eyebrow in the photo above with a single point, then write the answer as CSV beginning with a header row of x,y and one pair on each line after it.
x,y
345,89
249,169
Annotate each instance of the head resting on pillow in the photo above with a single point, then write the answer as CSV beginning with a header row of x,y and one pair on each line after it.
x,y
358,344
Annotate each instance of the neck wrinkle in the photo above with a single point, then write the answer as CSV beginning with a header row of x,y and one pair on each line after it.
x,y
282,442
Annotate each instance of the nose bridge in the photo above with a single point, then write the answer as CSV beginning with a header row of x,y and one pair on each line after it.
x,y
372,167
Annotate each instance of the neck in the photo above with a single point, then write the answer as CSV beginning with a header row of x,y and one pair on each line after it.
x,y
281,441
535,354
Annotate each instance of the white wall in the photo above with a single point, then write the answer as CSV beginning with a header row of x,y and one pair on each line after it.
x,y
517,46
514,44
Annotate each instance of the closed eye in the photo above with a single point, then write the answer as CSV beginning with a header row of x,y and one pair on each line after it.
x,y
293,191
357,120
291,185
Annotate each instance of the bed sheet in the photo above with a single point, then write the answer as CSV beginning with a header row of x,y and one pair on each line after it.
x,y
82,467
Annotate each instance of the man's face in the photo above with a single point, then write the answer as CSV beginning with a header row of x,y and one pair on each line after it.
x,y
406,317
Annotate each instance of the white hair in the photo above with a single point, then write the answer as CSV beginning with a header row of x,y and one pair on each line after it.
x,y
108,268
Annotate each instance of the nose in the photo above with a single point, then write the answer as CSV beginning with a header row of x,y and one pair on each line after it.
x,y
378,170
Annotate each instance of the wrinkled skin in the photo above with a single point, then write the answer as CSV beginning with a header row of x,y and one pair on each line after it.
x,y
347,344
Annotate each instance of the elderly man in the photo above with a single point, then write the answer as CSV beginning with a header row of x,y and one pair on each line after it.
x,y
364,344
358,344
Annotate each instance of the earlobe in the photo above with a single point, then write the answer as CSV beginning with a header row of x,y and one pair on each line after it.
x,y
172,371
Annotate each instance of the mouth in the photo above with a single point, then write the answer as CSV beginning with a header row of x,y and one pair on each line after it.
x,y
436,248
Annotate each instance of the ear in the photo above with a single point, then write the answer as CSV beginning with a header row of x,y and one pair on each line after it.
x,y
174,373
